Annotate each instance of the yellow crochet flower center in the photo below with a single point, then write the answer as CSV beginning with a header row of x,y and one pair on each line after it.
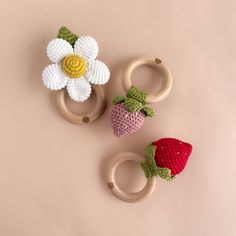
x,y
74,66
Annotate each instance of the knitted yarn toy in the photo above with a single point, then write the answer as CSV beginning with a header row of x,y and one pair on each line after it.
x,y
74,65
128,113
166,158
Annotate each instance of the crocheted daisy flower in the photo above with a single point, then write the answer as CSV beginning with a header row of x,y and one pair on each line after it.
x,y
74,67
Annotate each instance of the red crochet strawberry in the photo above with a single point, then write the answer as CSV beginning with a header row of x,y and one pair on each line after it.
x,y
128,113
167,157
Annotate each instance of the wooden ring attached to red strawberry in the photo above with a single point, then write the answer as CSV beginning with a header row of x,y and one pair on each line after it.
x,y
85,118
166,157
128,112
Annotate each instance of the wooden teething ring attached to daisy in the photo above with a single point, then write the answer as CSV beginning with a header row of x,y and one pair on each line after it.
x,y
76,71
128,112
166,158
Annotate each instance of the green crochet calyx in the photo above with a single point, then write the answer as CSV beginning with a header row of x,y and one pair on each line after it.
x,y
66,34
151,169
135,101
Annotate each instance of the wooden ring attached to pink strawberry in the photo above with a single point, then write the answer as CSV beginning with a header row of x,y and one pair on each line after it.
x,y
160,66
166,157
128,112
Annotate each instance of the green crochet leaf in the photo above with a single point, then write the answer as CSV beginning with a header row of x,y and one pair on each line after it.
x,y
149,111
137,94
135,101
133,105
151,150
151,169
165,173
118,99
66,34
149,166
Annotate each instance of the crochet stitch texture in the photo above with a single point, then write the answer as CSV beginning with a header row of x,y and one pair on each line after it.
x,y
124,122
67,35
74,65
166,157
128,112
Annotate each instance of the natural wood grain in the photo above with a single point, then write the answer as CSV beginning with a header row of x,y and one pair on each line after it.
x,y
114,187
86,118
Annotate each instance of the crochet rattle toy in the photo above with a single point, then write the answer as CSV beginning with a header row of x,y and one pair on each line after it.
x,y
128,112
166,157
75,68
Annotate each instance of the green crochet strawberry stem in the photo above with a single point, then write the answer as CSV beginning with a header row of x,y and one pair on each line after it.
x,y
67,35
149,111
118,99
133,105
137,94
135,101
151,169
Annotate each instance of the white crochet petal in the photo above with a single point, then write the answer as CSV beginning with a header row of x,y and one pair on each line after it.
x,y
57,49
87,47
79,89
54,78
97,72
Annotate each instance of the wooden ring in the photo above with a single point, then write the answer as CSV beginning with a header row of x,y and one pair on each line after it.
x,y
82,119
115,189
159,65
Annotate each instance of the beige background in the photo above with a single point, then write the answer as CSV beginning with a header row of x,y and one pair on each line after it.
x,y
51,171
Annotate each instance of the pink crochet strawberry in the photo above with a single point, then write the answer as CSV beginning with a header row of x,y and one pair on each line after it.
x,y
128,113
166,157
